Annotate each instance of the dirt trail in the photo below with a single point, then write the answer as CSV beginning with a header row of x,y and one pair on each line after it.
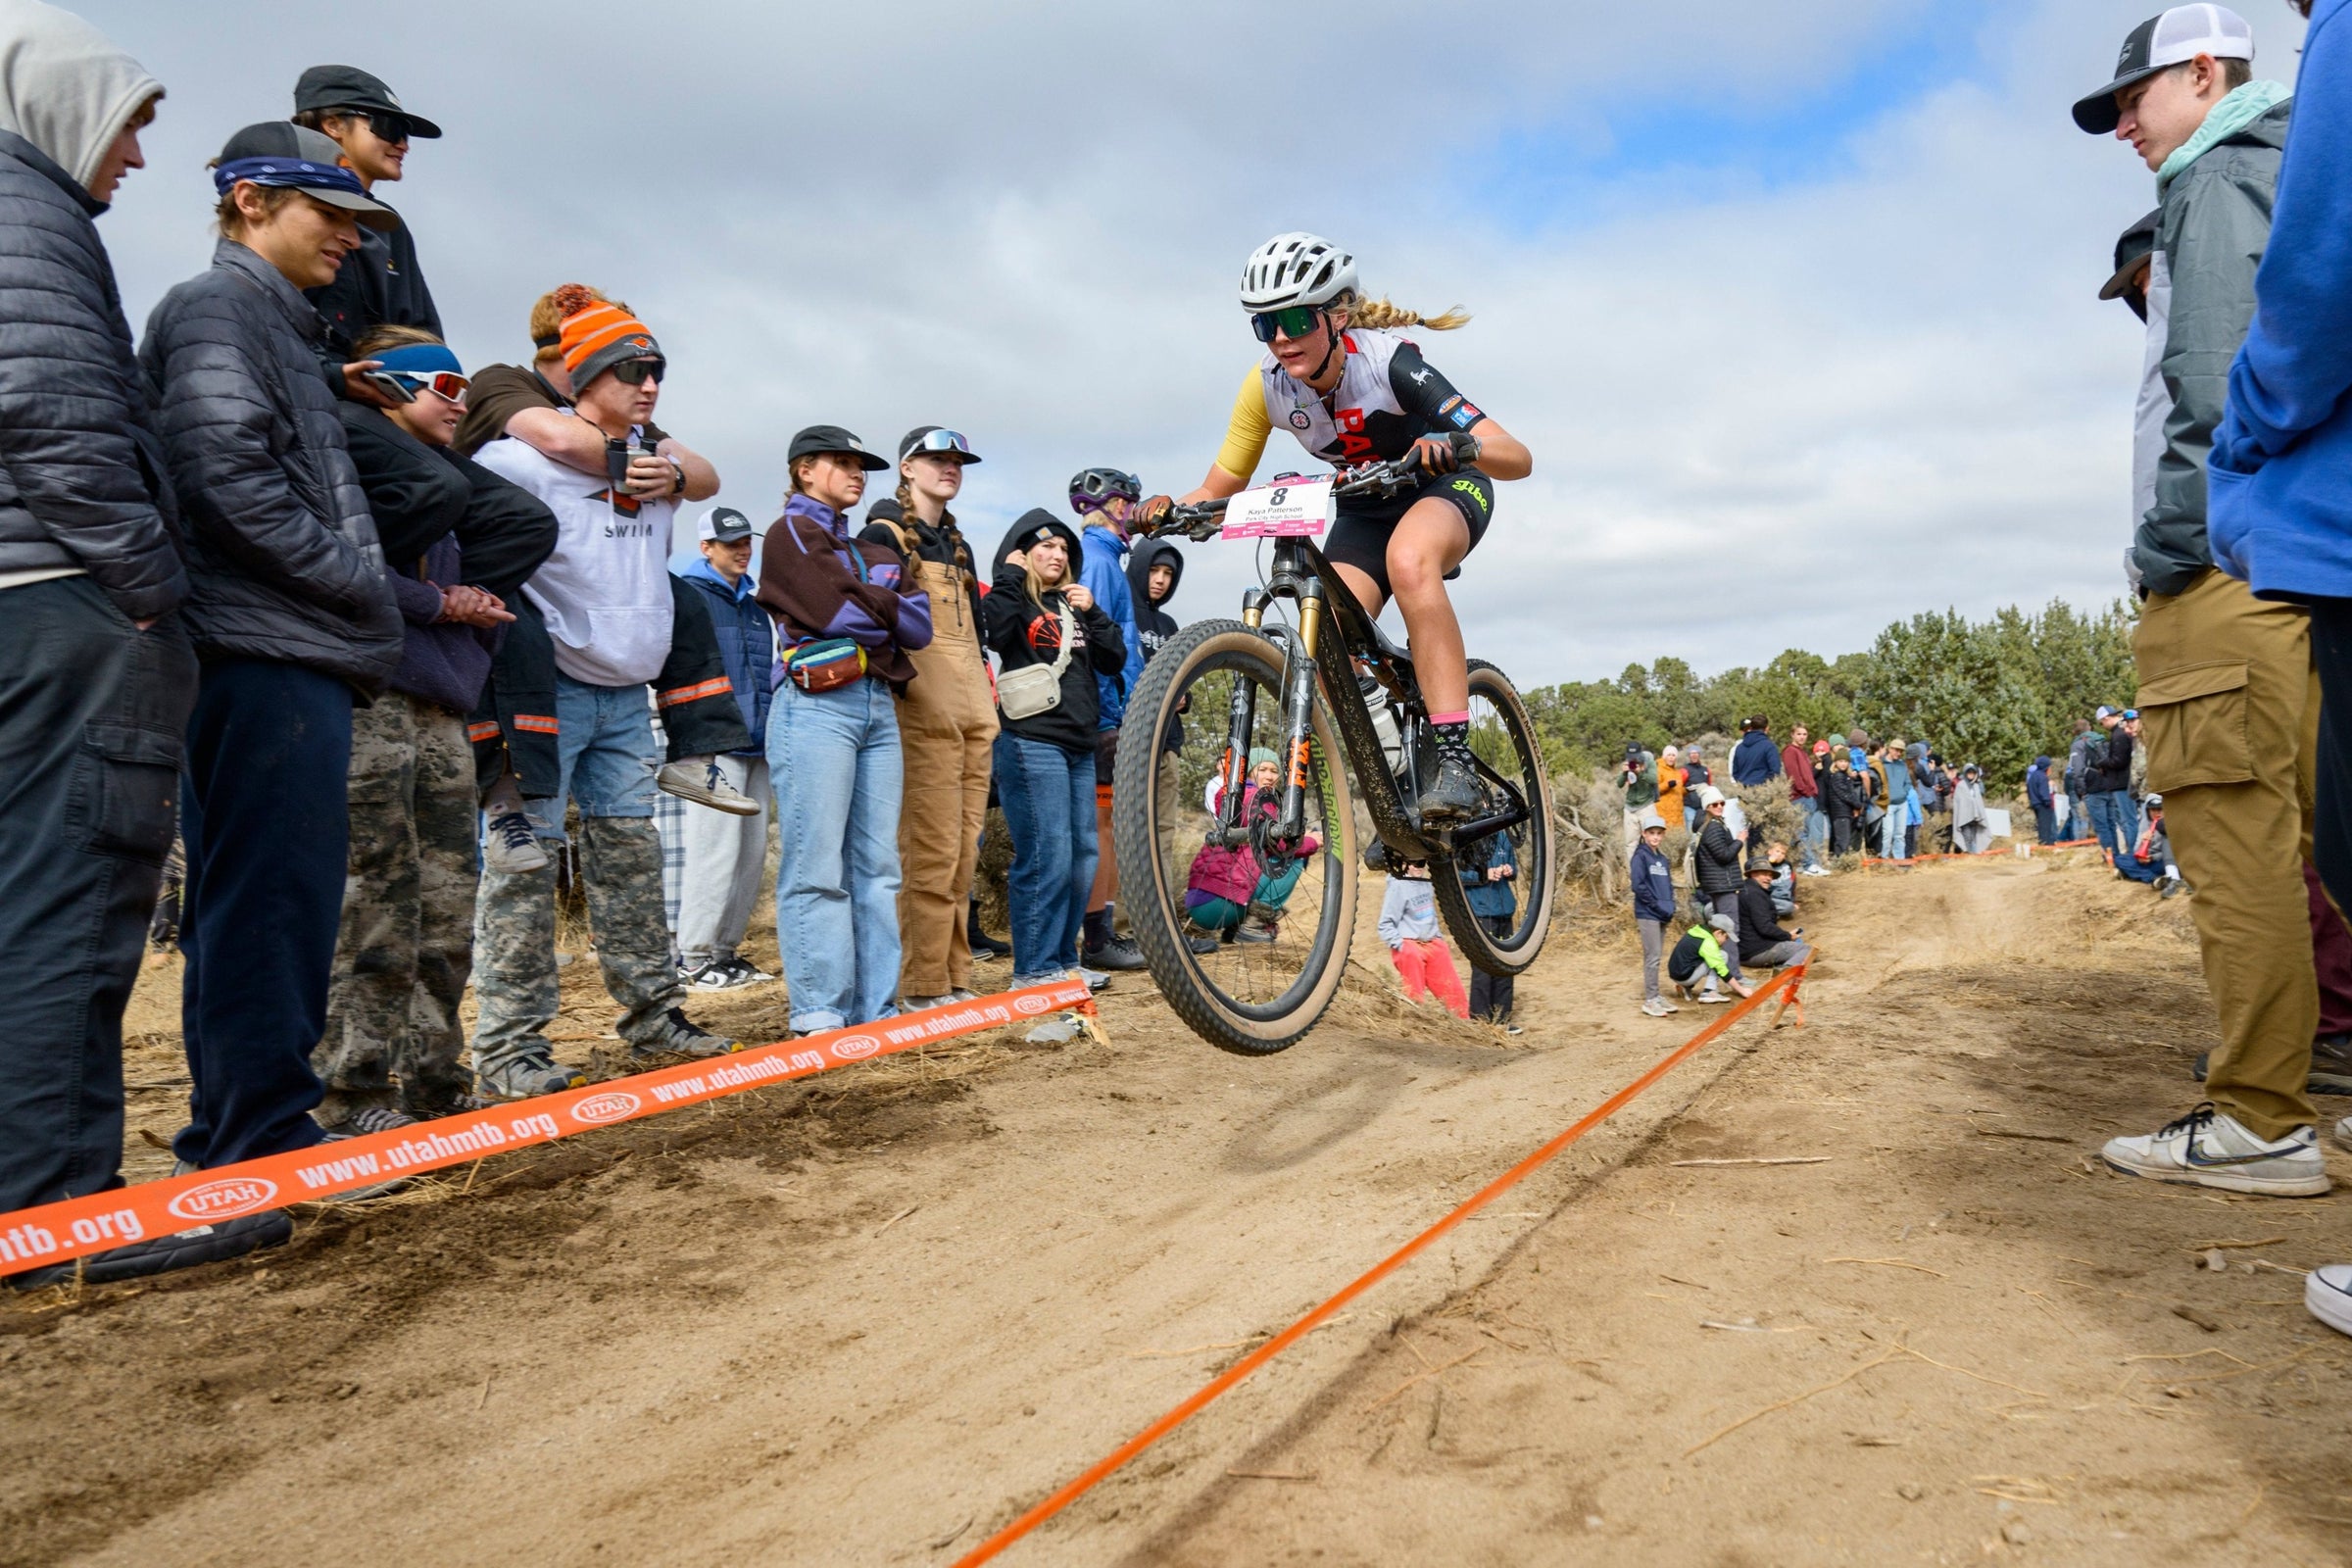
x,y
868,1320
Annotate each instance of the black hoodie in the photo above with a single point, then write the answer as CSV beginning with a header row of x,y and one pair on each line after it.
x,y
1153,625
1020,633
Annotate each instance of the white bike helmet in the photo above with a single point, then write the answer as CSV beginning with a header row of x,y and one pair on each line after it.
x,y
1295,268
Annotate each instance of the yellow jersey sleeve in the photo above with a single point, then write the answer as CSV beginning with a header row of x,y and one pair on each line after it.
x,y
1246,436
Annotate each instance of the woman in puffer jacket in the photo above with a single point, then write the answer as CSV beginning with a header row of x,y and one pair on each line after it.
x,y
1717,873
1228,894
292,615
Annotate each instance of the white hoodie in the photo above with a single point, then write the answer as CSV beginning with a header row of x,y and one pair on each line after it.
x,y
605,590
63,87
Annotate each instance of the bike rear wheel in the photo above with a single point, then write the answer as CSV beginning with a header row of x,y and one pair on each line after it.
x,y
1503,737
1232,985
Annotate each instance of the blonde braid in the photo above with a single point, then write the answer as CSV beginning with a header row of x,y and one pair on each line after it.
x,y
1382,313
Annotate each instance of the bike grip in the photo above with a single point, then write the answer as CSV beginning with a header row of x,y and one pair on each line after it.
x,y
1465,446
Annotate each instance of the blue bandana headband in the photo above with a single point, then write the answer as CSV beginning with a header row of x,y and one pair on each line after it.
x,y
419,360
297,172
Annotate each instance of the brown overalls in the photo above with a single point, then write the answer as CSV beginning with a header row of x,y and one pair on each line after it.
x,y
947,724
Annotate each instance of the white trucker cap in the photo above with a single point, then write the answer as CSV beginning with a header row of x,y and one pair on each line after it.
x,y
2171,38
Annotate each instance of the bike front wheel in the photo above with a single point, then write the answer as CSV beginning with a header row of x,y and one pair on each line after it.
x,y
1249,951
1510,763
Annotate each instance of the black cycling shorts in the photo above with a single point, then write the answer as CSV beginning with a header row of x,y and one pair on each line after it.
x,y
1360,536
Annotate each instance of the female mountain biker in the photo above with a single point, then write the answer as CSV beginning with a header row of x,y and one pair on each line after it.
x,y
1354,388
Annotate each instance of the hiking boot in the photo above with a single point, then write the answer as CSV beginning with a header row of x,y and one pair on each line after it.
x,y
2207,1148
1118,953
1655,1007
1259,924
206,1243
525,1077
1454,795
511,845
2327,1294
701,780
681,1036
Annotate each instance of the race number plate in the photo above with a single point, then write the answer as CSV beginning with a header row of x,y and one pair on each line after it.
x,y
1291,508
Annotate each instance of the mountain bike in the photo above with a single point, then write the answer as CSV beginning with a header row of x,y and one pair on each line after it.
x,y
1308,677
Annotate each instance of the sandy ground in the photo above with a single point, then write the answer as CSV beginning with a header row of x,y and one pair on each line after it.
x,y
869,1318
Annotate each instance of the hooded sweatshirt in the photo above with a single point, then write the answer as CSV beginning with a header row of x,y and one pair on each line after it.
x,y
1153,625
82,472
1020,632
2280,474
2215,227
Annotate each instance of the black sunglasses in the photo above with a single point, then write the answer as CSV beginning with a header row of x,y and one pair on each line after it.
x,y
636,372
390,126
1295,321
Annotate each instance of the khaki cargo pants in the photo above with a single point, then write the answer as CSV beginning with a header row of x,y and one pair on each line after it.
x,y
2229,710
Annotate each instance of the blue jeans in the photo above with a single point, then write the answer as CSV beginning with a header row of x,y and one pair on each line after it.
x,y
834,760
1895,831
1813,835
2045,824
1047,793
2112,821
606,756
265,812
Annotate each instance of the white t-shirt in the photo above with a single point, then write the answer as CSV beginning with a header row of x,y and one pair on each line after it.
x,y
605,590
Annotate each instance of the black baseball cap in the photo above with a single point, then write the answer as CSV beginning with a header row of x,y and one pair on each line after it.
x,y
819,439
2164,40
331,87
2133,247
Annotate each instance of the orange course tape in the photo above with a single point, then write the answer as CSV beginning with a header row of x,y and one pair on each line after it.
x,y
52,1233
1786,980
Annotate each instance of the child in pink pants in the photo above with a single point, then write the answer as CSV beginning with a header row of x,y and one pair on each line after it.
x,y
1409,924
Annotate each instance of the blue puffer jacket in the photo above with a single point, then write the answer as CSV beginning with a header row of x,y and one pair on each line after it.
x,y
746,642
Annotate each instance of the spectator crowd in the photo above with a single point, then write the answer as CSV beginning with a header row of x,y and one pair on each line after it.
x,y
376,652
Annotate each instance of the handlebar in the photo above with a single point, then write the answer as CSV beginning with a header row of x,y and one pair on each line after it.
x,y
1380,480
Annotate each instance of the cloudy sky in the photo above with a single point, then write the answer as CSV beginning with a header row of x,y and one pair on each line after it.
x,y
1794,304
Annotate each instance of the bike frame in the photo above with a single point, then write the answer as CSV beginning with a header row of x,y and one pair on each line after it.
x,y
1326,607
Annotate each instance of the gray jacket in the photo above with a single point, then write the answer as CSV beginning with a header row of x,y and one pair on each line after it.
x,y
2217,220
81,473
283,556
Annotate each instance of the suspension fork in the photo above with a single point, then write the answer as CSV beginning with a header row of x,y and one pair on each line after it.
x,y
1297,699
1240,722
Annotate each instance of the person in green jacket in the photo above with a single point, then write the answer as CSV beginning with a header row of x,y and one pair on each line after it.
x,y
1701,949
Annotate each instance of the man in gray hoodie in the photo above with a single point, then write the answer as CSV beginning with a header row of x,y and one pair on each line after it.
x,y
96,673
2225,687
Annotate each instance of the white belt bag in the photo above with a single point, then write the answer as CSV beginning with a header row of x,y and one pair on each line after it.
x,y
1035,689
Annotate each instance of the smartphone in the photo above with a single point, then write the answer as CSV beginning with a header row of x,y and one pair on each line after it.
x,y
389,386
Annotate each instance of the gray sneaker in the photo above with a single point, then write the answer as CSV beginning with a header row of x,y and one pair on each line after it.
x,y
526,1077
509,844
700,780
681,1036
2209,1148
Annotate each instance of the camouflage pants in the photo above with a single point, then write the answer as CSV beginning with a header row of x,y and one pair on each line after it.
x,y
515,943
407,940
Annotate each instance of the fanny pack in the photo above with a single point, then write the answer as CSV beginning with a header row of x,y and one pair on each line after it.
x,y
829,663
825,666
1035,689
